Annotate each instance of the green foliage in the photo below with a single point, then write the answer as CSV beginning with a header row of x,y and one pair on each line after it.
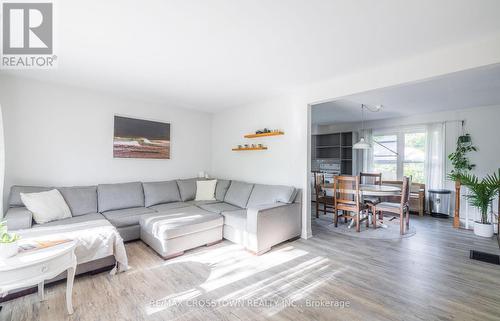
x,y
5,236
459,160
482,191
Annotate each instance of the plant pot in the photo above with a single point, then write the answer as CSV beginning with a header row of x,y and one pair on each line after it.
x,y
464,139
484,230
8,249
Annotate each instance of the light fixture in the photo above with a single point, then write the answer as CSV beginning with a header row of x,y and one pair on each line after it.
x,y
363,144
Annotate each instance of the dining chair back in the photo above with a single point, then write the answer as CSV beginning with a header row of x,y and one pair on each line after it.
x,y
370,178
401,209
347,199
322,198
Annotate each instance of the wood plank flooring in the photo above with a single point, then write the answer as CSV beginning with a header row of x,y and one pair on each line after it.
x,y
425,277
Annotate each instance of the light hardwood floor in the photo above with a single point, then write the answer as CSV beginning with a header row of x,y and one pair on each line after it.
x,y
425,277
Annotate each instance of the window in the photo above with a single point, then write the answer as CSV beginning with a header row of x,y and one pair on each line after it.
x,y
384,161
409,144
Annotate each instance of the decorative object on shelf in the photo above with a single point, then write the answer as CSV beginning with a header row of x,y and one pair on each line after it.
x,y
8,242
461,165
138,138
250,148
482,193
260,133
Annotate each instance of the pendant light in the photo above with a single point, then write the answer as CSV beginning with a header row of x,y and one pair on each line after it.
x,y
362,144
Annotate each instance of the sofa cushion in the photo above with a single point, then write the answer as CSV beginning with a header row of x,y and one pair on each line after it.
x,y
219,207
73,220
184,221
160,193
236,219
16,190
126,217
80,199
46,206
120,196
238,193
269,194
169,206
221,189
187,188
198,203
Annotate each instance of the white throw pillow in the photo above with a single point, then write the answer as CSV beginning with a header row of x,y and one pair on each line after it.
x,y
46,206
205,190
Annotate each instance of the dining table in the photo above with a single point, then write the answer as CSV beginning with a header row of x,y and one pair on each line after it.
x,y
368,190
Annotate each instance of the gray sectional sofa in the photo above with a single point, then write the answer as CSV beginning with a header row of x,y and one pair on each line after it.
x,y
166,216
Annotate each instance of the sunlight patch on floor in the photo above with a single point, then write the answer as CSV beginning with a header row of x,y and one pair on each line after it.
x,y
250,266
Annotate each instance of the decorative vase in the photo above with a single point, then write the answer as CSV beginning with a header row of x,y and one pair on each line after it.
x,y
8,249
484,230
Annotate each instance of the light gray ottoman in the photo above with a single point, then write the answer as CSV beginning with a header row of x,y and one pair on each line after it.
x,y
172,232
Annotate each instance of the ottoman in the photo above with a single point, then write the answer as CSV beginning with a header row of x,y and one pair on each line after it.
x,y
172,232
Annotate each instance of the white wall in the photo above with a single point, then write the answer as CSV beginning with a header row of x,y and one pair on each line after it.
x,y
60,136
288,159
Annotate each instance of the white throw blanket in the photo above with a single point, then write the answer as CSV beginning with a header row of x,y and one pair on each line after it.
x,y
96,239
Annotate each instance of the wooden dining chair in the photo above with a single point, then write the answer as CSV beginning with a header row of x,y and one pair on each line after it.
x,y
402,209
321,197
347,199
370,179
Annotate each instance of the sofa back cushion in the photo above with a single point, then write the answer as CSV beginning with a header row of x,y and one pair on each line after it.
x,y
238,193
160,193
187,189
16,190
119,196
80,199
269,194
221,189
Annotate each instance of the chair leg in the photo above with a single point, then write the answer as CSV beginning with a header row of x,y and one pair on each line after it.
x,y
374,218
317,209
407,219
336,218
367,218
356,217
401,222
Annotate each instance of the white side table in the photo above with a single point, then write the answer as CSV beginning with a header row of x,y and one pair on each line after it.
x,y
36,266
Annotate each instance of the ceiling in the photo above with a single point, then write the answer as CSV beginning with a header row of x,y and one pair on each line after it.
x,y
211,55
471,88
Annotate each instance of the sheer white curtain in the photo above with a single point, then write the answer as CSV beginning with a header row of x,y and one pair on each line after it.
x,y
435,156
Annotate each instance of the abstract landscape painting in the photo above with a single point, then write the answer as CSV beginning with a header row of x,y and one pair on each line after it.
x,y
138,138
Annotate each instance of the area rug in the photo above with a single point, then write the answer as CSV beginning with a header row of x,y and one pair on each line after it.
x,y
389,232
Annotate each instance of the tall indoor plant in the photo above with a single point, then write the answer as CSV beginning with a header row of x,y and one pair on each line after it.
x,y
481,194
461,166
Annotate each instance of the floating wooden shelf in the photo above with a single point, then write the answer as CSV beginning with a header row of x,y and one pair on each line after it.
x,y
249,148
264,134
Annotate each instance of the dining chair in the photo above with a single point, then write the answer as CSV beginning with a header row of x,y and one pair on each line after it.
x,y
370,179
347,199
402,209
321,197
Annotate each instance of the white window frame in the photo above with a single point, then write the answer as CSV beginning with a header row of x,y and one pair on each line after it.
x,y
400,134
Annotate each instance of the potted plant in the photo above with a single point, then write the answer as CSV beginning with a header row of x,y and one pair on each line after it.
x,y
8,242
481,195
461,165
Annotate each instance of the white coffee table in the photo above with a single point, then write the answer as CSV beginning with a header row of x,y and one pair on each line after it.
x,y
35,267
